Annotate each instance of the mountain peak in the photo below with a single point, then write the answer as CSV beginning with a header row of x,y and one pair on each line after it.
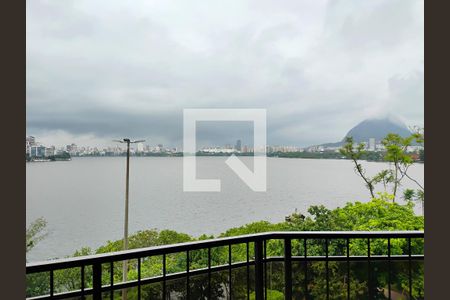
x,y
378,128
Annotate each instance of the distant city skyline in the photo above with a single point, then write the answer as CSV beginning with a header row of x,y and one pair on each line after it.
x,y
36,148
145,146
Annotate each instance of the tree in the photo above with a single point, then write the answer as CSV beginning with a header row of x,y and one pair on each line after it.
x,y
37,284
415,196
355,154
34,233
396,147
396,153
378,214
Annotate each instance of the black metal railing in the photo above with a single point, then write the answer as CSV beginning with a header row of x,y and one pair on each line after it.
x,y
311,265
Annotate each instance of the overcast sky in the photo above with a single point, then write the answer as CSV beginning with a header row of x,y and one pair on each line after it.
x,y
100,70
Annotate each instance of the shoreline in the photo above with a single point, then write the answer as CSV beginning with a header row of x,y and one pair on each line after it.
x,y
180,156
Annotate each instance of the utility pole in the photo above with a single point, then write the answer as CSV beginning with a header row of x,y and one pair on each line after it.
x,y
125,233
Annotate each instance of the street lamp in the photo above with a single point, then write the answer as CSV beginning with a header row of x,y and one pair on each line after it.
x,y
125,234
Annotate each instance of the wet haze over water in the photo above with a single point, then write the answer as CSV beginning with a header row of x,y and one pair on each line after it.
x,y
83,199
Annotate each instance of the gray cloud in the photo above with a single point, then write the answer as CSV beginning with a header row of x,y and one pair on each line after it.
x,y
106,69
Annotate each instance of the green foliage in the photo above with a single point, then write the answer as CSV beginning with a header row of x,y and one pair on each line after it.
x,y
271,294
34,233
306,154
379,214
62,156
395,153
355,153
417,196
251,228
146,238
352,150
422,155
38,283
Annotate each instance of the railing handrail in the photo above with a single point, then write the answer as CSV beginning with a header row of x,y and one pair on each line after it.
x,y
78,261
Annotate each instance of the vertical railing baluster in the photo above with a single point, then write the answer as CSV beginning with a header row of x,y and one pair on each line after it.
x,y
248,272
111,280
410,268
306,268
209,272
259,277
389,268
164,277
327,269
369,275
82,282
265,268
52,284
188,288
139,278
229,271
97,281
348,268
287,269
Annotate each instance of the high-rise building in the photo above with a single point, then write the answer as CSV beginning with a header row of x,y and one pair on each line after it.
x,y
72,149
37,151
238,145
372,144
30,140
50,151
140,147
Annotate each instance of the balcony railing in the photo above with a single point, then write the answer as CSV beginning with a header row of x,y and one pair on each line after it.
x,y
272,265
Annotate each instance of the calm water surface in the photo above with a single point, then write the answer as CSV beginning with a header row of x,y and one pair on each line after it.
x,y
83,199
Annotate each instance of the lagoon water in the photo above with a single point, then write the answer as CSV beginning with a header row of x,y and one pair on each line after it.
x,y
83,199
